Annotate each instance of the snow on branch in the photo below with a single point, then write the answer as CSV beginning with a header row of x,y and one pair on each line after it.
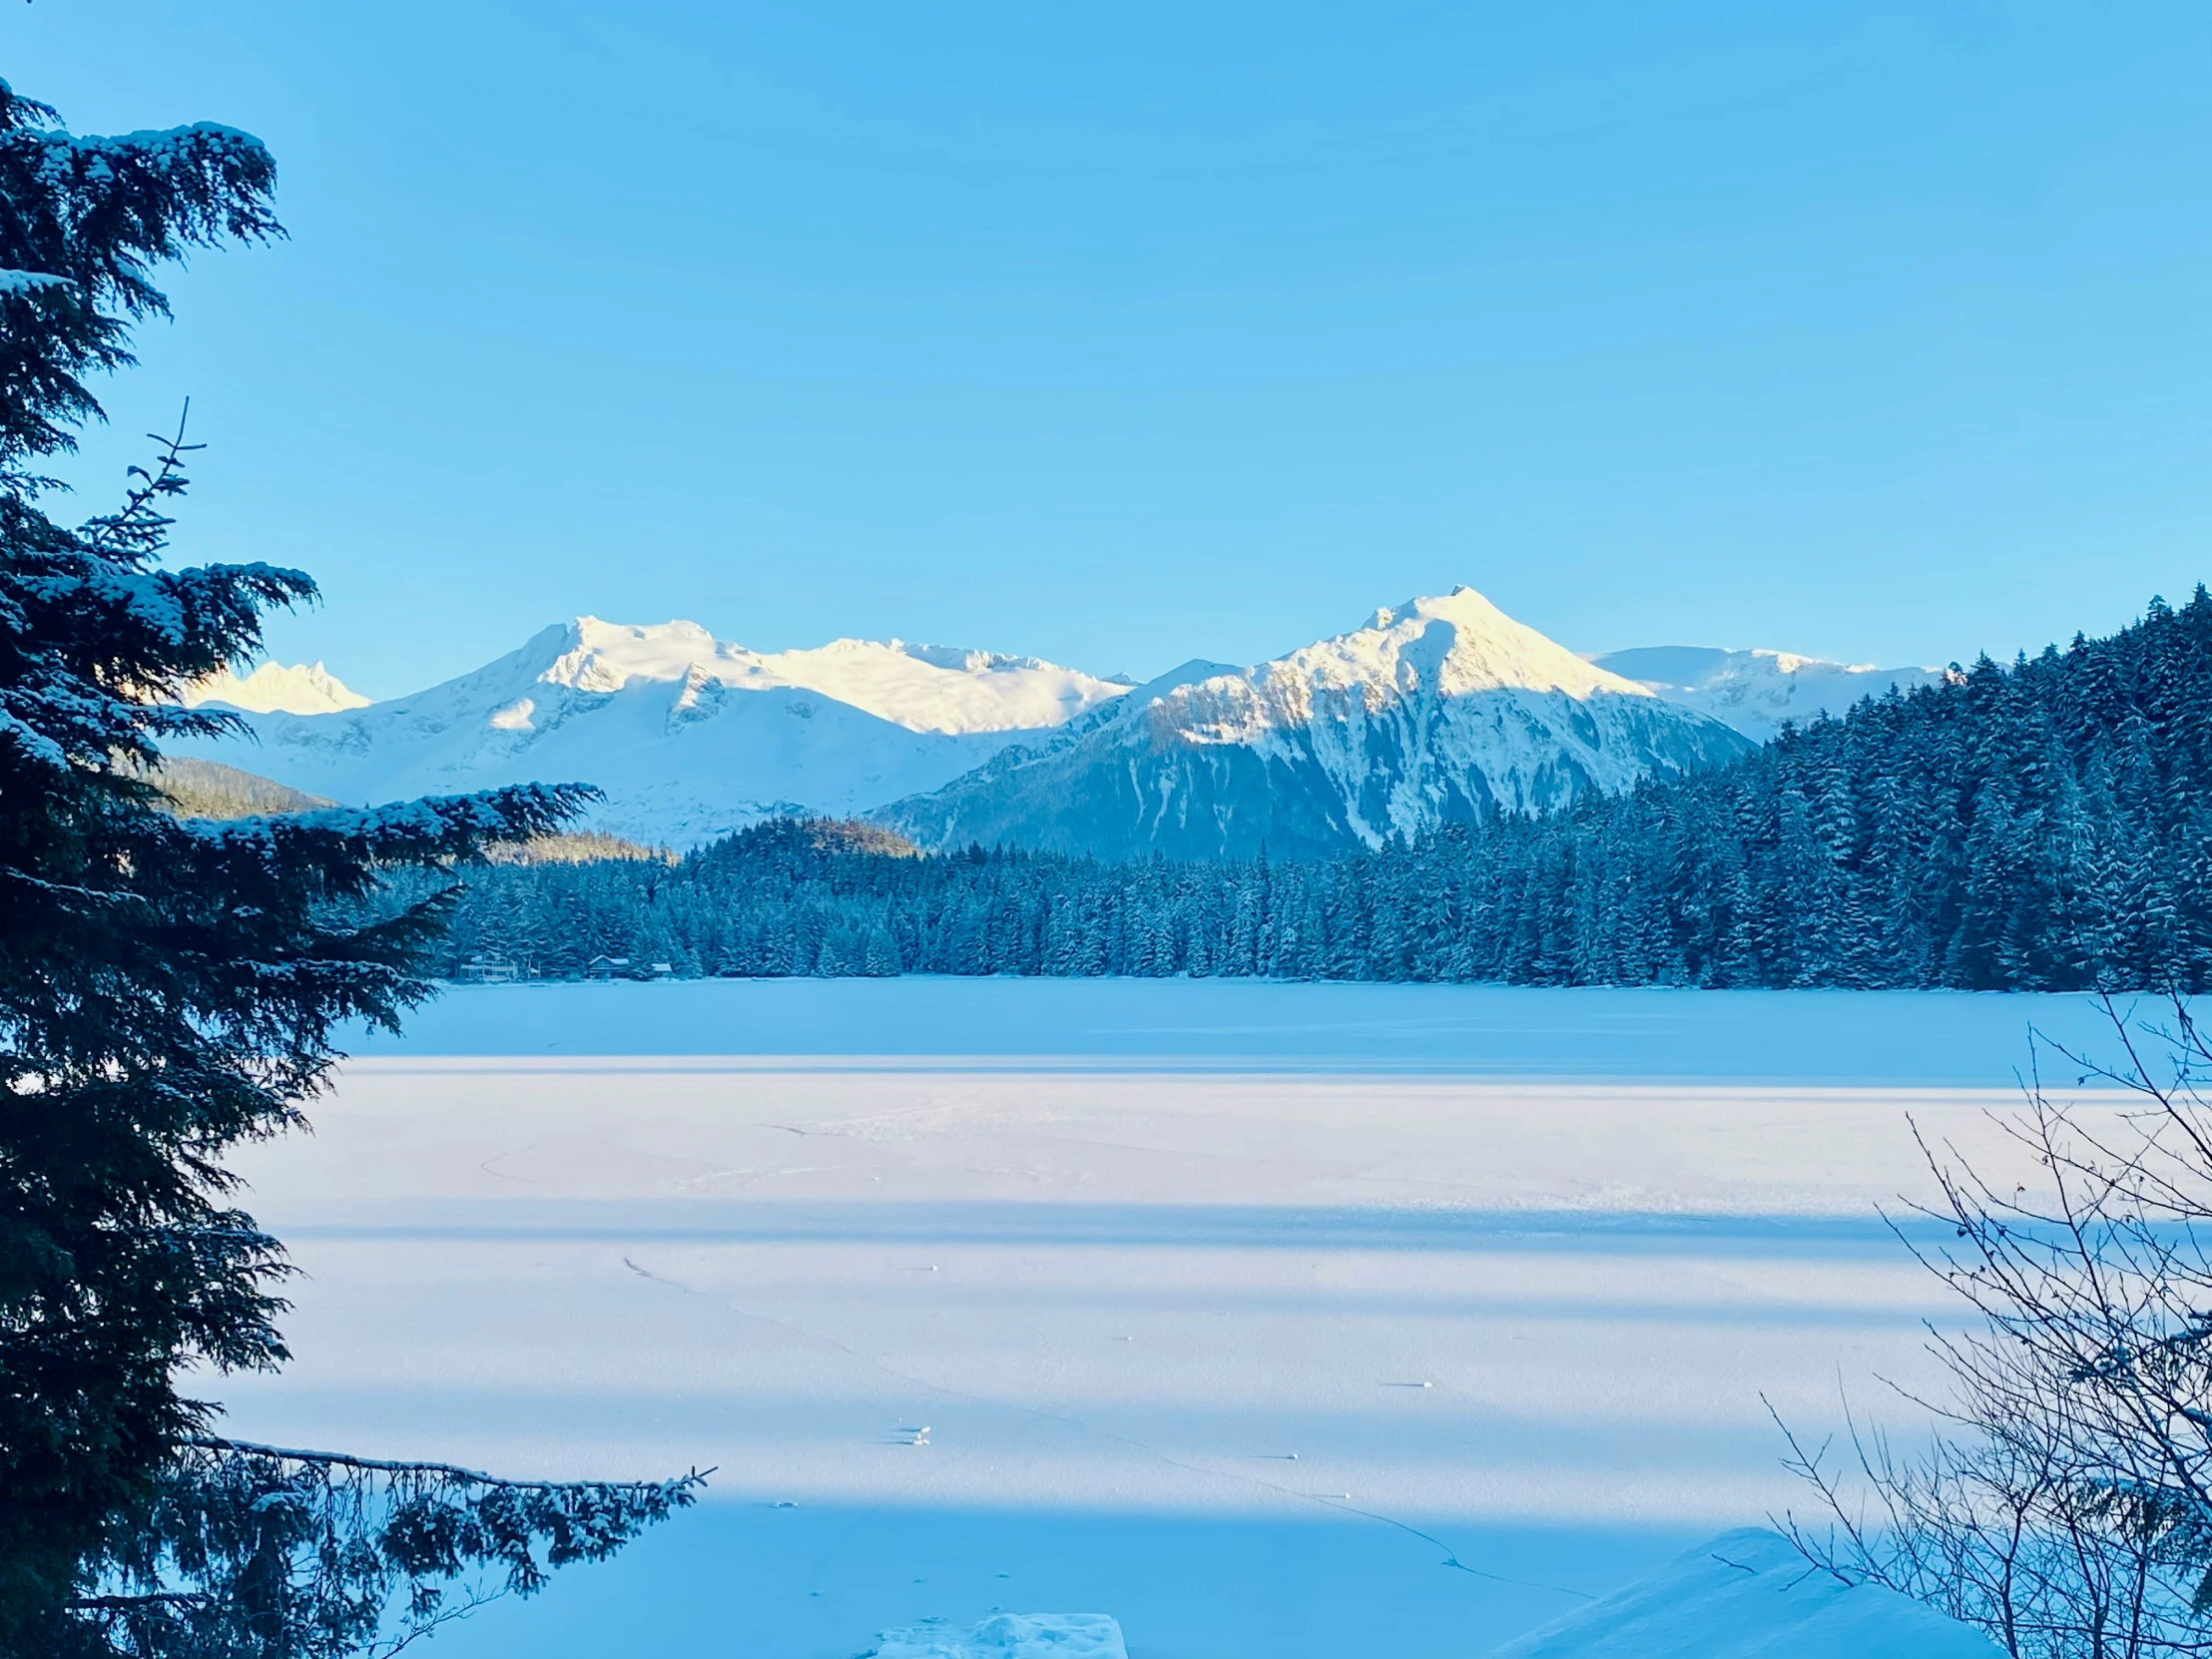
x,y
449,825
452,1471
31,281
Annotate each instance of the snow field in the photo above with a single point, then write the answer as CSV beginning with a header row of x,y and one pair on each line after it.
x,y
1260,1361
1813,1039
1748,1594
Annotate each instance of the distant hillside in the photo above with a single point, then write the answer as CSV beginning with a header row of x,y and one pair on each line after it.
x,y
590,847
207,789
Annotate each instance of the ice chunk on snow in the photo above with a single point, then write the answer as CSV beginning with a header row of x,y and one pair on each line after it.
x,y
1012,1636
1749,1594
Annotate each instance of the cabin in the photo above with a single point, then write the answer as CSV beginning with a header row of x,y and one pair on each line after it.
x,y
607,967
487,970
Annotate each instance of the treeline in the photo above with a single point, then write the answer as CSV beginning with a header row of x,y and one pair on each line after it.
x,y
2046,825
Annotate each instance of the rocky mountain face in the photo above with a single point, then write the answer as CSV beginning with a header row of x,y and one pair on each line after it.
x,y
1438,709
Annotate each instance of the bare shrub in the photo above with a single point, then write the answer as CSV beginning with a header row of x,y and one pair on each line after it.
x,y
2066,1502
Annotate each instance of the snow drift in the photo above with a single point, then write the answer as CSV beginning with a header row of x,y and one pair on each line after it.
x,y
1749,1594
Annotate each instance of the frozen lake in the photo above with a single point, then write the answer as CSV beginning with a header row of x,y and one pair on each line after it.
x,y
1275,1320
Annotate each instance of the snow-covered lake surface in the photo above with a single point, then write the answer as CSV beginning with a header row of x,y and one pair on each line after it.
x,y
1272,1319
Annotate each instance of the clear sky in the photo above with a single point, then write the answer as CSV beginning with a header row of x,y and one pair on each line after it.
x,y
1124,333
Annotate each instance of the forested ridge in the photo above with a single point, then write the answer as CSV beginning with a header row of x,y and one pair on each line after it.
x,y
2043,825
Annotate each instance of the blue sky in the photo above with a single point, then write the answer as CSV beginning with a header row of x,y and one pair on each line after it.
x,y
1125,333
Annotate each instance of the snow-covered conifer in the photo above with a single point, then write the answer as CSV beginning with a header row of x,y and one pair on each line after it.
x,y
169,987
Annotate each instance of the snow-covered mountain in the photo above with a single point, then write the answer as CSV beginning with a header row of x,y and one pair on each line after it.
x,y
274,689
1756,691
1438,709
689,736
924,688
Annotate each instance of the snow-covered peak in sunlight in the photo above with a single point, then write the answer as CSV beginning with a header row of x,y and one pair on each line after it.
x,y
301,688
691,736
606,655
924,688
1756,691
1442,655
1455,644
1438,709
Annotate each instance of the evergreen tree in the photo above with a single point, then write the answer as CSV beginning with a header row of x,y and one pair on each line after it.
x,y
169,987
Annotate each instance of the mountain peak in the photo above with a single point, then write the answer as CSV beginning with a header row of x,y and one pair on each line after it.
x,y
301,688
1455,643
1437,711
606,655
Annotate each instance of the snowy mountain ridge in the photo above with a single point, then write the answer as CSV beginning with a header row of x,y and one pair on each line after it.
x,y
691,736
1756,691
301,688
1437,709
924,688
